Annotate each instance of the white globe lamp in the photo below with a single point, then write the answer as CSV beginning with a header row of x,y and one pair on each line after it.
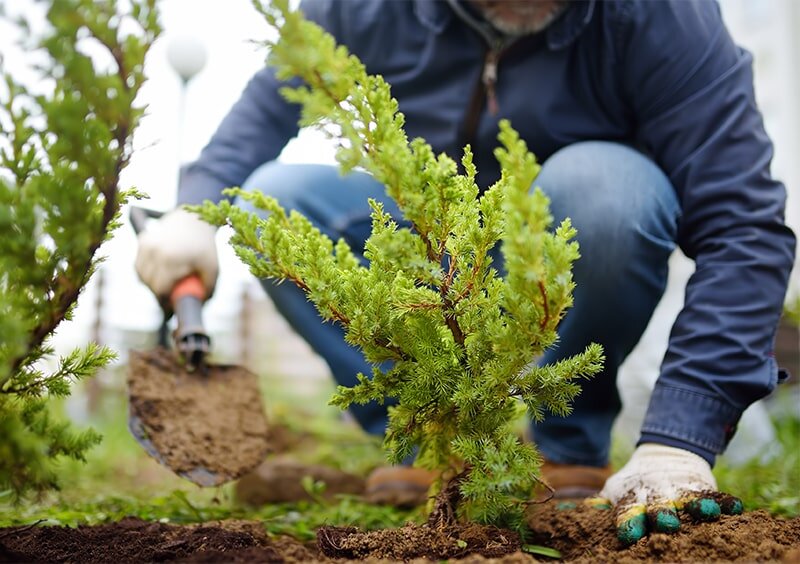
x,y
187,56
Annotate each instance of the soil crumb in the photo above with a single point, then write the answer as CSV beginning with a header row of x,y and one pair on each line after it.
x,y
415,541
207,427
583,535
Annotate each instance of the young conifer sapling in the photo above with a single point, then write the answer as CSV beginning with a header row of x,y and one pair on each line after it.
x,y
449,337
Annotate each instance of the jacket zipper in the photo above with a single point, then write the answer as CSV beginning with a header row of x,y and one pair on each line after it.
x,y
485,92
489,80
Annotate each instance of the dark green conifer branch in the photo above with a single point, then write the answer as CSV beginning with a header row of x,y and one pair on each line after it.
x,y
462,340
61,155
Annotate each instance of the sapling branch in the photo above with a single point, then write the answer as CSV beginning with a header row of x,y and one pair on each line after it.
x,y
546,317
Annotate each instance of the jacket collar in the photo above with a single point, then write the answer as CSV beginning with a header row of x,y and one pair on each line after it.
x,y
436,14
433,14
566,29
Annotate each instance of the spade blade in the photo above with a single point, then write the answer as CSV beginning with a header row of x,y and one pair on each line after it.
x,y
206,426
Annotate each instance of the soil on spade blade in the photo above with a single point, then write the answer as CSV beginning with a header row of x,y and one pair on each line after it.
x,y
581,534
207,426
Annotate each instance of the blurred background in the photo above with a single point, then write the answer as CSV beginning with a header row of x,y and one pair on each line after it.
x,y
221,45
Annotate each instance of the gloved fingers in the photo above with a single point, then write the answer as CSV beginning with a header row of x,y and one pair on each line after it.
x,y
709,505
635,520
179,244
598,503
662,517
631,522
702,508
161,281
728,504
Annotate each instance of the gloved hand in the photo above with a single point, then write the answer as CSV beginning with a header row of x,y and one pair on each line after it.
x,y
177,245
656,483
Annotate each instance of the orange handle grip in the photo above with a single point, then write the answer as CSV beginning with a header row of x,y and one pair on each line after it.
x,y
192,285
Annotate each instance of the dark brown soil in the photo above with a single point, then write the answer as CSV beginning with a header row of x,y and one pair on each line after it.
x,y
134,540
581,534
208,427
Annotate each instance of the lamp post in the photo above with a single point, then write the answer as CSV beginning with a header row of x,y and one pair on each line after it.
x,y
187,57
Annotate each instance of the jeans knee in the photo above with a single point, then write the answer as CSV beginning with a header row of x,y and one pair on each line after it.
x,y
335,204
611,192
288,183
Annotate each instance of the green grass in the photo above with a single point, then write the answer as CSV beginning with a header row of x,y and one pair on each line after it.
x,y
120,480
773,485
299,520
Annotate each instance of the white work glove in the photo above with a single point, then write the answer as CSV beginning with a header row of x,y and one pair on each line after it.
x,y
177,245
656,483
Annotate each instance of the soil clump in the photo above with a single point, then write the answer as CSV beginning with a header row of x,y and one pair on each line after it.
x,y
208,427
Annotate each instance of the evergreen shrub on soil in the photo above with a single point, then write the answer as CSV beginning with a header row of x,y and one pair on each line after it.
x,y
63,145
448,337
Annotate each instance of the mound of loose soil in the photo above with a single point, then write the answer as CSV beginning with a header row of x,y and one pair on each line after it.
x,y
413,541
581,534
586,535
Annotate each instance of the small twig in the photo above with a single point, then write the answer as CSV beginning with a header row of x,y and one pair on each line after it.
x,y
545,306
431,254
422,305
471,282
551,491
451,272
329,539
4,534
413,423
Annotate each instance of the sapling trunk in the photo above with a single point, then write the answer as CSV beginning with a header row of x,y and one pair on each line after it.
x,y
448,337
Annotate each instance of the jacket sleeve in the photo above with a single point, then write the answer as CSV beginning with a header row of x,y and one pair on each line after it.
x,y
255,130
691,89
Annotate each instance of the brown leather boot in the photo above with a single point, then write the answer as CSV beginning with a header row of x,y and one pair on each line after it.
x,y
572,480
400,486
280,479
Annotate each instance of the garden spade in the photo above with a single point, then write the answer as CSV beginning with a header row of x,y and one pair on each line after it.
x,y
203,421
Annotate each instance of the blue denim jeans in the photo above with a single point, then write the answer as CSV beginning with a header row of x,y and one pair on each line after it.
x,y
626,214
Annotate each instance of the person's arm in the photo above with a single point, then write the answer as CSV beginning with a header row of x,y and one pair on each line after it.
x,y
691,93
691,89
254,132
